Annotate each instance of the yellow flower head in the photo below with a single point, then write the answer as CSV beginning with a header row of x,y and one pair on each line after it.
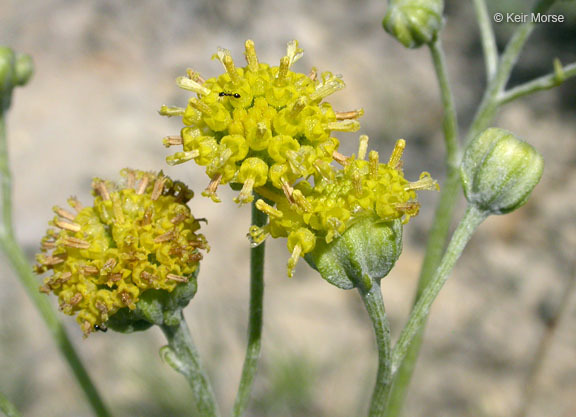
x,y
260,125
339,198
138,235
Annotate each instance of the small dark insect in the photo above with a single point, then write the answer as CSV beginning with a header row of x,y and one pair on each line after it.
x,y
223,94
100,328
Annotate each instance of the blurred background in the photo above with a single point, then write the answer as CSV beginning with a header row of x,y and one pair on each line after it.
x,y
104,68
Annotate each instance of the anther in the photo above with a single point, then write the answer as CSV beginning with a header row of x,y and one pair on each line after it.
x,y
283,69
63,213
165,237
352,114
177,278
186,83
171,111
158,188
251,57
73,242
143,185
195,76
172,141
73,227
396,157
362,147
340,158
101,189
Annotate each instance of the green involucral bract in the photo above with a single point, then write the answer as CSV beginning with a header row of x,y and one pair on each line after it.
x,y
499,171
414,22
135,252
366,251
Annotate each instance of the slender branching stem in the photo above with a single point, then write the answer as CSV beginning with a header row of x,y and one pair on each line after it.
x,y
543,349
255,319
440,226
488,39
7,407
17,260
471,220
375,308
181,354
542,83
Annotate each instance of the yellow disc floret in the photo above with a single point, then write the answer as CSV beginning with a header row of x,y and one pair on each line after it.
x,y
273,114
137,236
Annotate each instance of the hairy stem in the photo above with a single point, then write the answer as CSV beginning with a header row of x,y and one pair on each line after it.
x,y
440,226
23,270
488,40
182,356
471,220
255,319
375,307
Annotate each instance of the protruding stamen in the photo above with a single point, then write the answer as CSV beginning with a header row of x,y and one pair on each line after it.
x,y
181,157
349,125
179,218
426,182
283,69
48,244
200,106
301,201
362,147
171,111
288,191
109,265
340,158
101,189
396,157
75,204
231,69
177,278
89,270
73,227
195,76
251,57
325,89
352,114
186,83
293,52
147,276
143,185
73,242
294,260
210,191
410,208
65,214
245,195
75,299
53,260
117,209
268,209
374,160
115,277
172,141
298,106
313,74
130,176
158,188
165,237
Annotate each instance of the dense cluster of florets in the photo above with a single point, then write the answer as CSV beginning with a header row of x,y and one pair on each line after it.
x,y
338,198
137,236
260,126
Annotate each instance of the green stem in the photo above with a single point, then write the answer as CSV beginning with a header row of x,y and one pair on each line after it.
x,y
488,40
542,83
440,226
22,268
7,407
182,356
254,319
471,220
375,308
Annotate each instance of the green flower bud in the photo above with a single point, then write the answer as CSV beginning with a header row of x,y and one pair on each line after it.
x,y
414,22
366,251
15,69
499,171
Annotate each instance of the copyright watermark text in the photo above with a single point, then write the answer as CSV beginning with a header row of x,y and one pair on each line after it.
x,y
528,18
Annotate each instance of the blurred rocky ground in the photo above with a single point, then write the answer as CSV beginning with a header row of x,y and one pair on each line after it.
x,y
103,68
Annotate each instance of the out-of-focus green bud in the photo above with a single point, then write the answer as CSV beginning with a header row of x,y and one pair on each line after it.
x,y
155,307
15,70
366,251
414,22
24,69
499,171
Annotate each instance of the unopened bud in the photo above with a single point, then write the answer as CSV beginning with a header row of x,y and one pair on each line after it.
x,y
414,22
499,171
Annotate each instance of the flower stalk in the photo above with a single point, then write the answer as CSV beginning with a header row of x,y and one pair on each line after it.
x,y
255,321
181,354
